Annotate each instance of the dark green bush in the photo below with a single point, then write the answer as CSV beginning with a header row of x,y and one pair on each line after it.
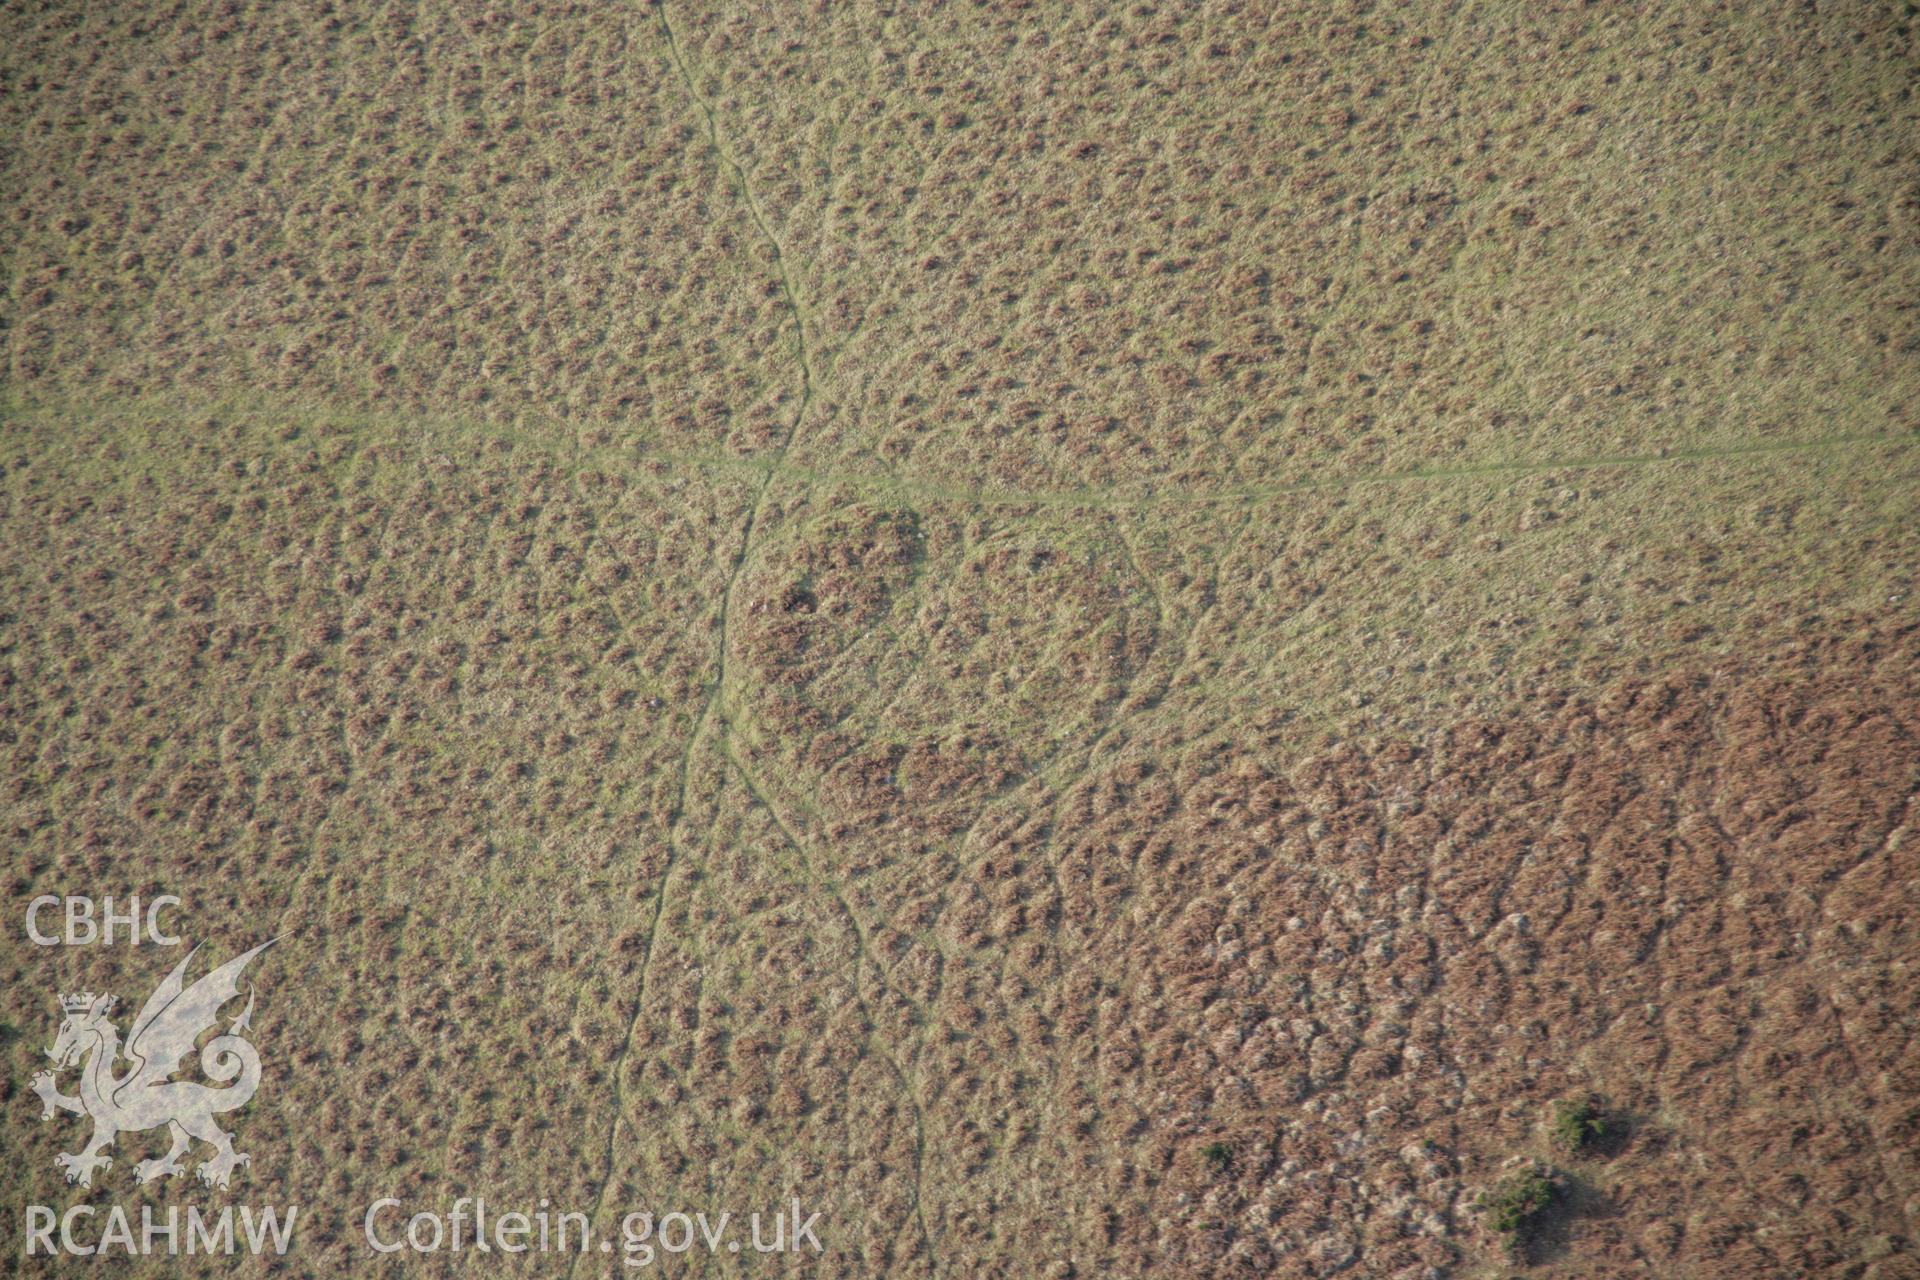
x,y
1577,1124
1516,1198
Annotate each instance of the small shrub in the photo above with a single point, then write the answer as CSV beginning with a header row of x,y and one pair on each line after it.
x,y
1218,1154
1577,1124
1516,1198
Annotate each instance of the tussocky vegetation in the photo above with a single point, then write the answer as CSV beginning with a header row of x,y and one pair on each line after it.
x,y
1101,639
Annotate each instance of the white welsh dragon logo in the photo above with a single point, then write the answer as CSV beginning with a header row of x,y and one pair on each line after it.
x,y
173,1017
